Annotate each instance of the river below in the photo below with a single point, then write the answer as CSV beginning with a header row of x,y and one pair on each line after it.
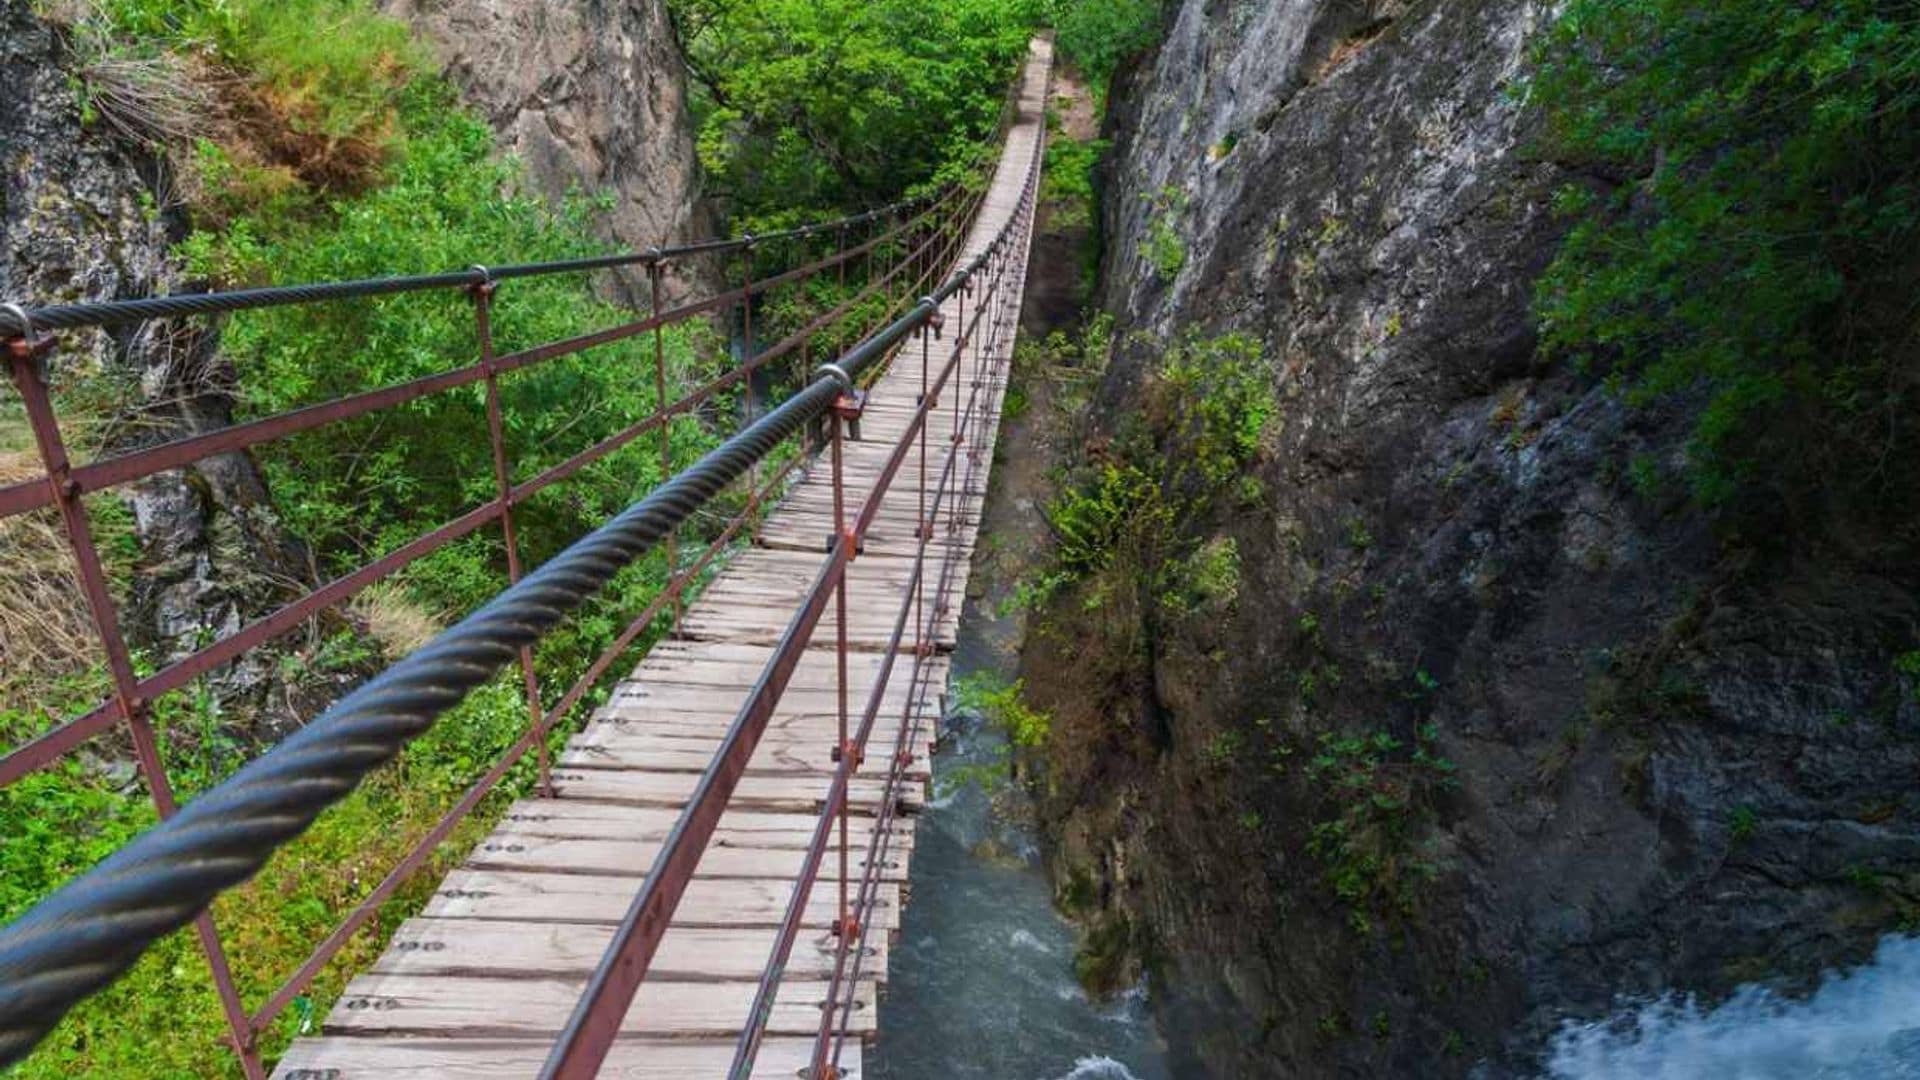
x,y
982,980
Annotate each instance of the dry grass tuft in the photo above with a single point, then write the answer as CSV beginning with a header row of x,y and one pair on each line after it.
x,y
45,631
394,618
153,101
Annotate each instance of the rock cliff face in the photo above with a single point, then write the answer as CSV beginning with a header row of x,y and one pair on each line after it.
x,y
79,221
1684,756
592,96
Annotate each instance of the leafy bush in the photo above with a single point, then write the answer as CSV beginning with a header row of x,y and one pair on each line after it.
x,y
1205,406
362,488
812,105
1165,251
1002,704
1374,786
1096,35
434,196
1066,180
1754,247
314,83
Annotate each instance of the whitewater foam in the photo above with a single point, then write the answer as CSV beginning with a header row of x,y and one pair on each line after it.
x,y
1860,1024
1098,1068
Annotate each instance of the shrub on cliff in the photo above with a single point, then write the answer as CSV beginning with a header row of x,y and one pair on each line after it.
x,y
1746,234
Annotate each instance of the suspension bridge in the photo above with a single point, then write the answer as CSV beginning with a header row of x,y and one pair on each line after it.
x,y
707,877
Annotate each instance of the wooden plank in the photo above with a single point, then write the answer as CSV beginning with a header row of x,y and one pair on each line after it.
x,y
808,729
350,1058
583,820
781,794
507,850
771,758
467,947
494,1008
531,897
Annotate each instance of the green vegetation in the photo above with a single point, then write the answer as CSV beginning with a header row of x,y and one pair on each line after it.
x,y
1095,36
310,141
1755,254
1741,824
1907,666
1374,788
1205,406
63,820
1066,182
1002,704
812,105
1165,251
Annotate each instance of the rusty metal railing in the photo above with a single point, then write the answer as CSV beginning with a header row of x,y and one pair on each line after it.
x,y
600,1011
78,939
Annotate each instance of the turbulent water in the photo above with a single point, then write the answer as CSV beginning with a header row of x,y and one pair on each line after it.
x,y
982,981
1858,1025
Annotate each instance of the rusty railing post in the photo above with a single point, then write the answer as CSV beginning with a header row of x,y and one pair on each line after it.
x,y
26,358
482,295
746,361
846,411
655,268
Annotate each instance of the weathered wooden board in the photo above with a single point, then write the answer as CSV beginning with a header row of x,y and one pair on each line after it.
x,y
724,902
582,820
785,758
624,858
777,794
465,1007
334,1058
470,947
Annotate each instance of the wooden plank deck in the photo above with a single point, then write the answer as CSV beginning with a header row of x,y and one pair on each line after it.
x,y
479,984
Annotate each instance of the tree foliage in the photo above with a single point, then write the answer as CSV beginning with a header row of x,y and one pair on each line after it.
x,y
1747,235
813,105
1096,35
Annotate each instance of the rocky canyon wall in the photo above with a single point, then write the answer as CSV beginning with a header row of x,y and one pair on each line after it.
x,y
592,98
1675,756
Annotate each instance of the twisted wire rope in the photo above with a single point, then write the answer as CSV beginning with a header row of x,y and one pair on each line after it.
x,y
80,938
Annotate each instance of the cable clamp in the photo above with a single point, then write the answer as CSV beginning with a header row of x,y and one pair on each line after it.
x,y
839,375
29,345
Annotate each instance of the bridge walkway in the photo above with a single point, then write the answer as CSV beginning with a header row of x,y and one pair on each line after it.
x,y
483,980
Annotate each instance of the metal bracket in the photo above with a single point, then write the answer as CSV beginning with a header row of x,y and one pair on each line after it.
x,y
848,407
29,345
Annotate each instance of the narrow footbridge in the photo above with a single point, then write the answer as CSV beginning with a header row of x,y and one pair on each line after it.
x,y
707,878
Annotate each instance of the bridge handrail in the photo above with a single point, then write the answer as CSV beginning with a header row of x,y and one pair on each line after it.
x,y
79,938
601,1010
121,312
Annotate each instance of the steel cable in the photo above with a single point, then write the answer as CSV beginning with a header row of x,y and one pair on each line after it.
x,y
80,938
120,312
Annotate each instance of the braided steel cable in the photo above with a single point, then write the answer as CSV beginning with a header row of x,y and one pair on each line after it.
x,y
119,312
79,939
